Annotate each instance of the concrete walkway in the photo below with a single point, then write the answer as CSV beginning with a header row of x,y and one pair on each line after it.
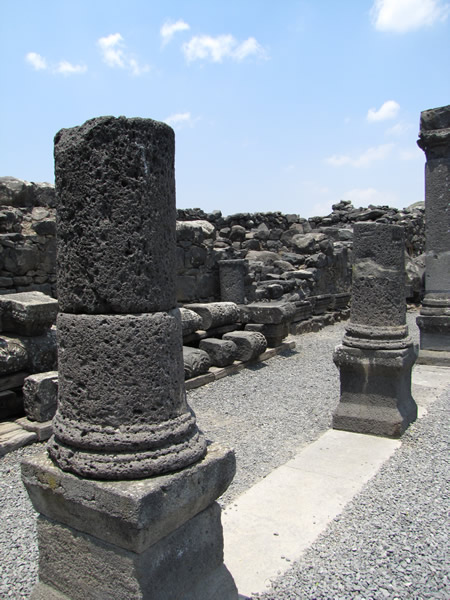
x,y
275,521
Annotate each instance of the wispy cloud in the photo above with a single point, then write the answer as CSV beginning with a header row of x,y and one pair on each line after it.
x,y
64,67
179,120
37,61
363,160
388,110
169,29
114,54
401,16
399,129
216,49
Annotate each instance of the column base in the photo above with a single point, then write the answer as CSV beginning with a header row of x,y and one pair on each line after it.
x,y
434,332
375,391
434,358
149,539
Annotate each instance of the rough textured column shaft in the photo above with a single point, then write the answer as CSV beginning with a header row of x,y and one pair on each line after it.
x,y
122,412
434,320
377,354
232,280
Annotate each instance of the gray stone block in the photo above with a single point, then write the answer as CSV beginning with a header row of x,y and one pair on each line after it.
x,y
375,391
250,344
28,313
216,314
13,355
196,362
81,567
220,352
268,312
116,216
40,396
190,321
232,280
131,514
122,412
273,332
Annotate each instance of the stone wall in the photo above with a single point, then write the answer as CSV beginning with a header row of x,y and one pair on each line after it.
x,y
289,257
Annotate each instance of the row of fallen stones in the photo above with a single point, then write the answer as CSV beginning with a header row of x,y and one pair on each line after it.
x,y
221,334
219,339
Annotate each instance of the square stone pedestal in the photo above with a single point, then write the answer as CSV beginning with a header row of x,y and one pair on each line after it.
x,y
375,390
434,340
152,539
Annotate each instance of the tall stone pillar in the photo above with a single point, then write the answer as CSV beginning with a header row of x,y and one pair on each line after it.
x,y
127,502
232,280
377,354
434,319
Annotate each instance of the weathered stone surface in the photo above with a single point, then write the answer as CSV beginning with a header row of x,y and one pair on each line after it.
x,y
377,354
190,321
131,514
216,314
196,362
221,352
13,355
42,430
268,312
27,313
102,570
195,231
232,280
321,303
250,344
17,192
42,351
122,413
273,332
12,381
115,181
40,396
375,391
434,139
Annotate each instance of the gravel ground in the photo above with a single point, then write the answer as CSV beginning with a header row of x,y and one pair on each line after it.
x,y
266,413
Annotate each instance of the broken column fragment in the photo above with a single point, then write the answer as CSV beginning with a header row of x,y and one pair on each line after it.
x,y
434,319
123,432
232,280
377,354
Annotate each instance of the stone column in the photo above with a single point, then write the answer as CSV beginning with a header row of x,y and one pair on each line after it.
x,y
434,319
377,354
232,280
122,413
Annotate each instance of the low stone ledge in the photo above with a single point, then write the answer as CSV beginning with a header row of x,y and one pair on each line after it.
x,y
43,430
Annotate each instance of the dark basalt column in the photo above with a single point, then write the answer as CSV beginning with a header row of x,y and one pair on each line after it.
x,y
434,319
126,494
377,354
122,412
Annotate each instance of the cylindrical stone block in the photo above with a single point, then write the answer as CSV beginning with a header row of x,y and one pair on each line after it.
x,y
122,412
116,216
216,314
232,280
378,309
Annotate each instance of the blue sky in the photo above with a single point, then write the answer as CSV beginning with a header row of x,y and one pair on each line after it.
x,y
290,105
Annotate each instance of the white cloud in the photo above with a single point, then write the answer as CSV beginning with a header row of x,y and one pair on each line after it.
x,y
112,48
400,16
215,49
388,110
169,29
413,153
37,61
399,129
363,160
66,68
178,120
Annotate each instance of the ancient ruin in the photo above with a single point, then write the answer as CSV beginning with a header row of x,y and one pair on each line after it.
x,y
377,354
106,528
434,319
